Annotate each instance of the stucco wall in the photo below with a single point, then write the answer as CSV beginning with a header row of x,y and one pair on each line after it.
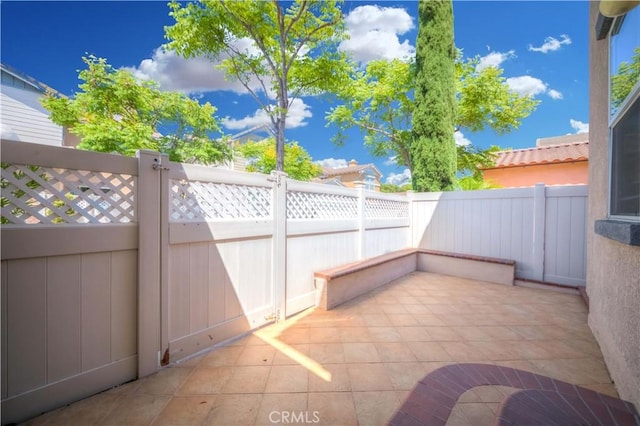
x,y
574,173
613,268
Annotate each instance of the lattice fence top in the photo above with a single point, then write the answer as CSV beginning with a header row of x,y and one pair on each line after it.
x,y
306,205
34,194
195,201
378,208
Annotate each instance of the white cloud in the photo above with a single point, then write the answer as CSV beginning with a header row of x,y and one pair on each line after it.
x,y
399,178
334,163
526,85
373,33
460,139
551,44
494,59
554,94
579,126
391,161
298,112
193,75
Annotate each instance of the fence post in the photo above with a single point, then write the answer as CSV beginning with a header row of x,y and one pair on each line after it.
x,y
148,210
412,228
362,229
539,211
279,260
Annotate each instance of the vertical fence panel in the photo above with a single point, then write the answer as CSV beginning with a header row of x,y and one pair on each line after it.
x,y
63,317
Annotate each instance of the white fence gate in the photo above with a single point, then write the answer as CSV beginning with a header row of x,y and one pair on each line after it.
x,y
542,228
69,275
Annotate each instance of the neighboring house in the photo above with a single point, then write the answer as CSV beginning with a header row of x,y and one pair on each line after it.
x,y
22,117
554,161
354,175
613,237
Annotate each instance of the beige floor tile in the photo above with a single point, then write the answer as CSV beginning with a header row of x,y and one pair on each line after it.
x,y
394,352
324,335
290,354
164,382
494,350
393,309
224,356
576,371
256,355
442,334
247,379
429,351
278,408
429,320
414,334
492,393
354,334
126,388
337,382
369,377
360,352
234,410
605,388
136,410
295,335
88,411
417,309
401,320
375,408
185,410
478,414
405,375
332,408
457,418
205,381
287,378
326,353
376,320
249,340
384,334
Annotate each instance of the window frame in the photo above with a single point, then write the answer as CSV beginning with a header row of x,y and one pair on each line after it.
x,y
614,119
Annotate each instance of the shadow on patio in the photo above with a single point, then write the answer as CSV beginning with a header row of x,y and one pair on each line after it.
x,y
359,363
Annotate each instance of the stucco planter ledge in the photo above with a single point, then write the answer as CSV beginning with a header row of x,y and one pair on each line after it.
x,y
338,285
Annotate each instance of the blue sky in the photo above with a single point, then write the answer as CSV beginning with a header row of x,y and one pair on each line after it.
x,y
542,47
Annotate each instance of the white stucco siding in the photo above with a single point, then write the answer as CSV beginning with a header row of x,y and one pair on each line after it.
x,y
24,119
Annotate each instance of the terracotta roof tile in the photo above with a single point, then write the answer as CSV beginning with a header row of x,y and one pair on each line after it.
x,y
543,154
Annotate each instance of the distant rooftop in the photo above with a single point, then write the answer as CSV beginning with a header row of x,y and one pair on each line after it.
x,y
545,154
353,167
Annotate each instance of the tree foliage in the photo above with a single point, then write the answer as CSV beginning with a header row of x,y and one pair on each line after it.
x,y
379,101
622,82
390,187
114,112
275,50
432,147
261,157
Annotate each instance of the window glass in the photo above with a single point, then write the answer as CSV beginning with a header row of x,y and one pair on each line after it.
x,y
625,165
624,57
624,112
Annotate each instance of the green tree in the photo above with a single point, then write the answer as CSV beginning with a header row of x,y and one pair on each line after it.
x,y
470,161
390,187
432,146
379,102
292,52
627,75
114,112
261,156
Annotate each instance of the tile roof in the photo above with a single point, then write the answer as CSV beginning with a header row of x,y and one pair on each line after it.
x,y
543,154
329,171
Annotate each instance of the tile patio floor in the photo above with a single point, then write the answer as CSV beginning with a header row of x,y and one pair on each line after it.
x,y
357,363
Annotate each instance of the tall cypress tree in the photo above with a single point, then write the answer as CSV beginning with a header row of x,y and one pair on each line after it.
x,y
433,148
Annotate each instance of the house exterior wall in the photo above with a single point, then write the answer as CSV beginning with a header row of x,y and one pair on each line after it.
x,y
613,282
574,173
24,119
356,180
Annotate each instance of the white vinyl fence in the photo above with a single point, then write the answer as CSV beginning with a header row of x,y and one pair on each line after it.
x,y
114,266
69,275
542,228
